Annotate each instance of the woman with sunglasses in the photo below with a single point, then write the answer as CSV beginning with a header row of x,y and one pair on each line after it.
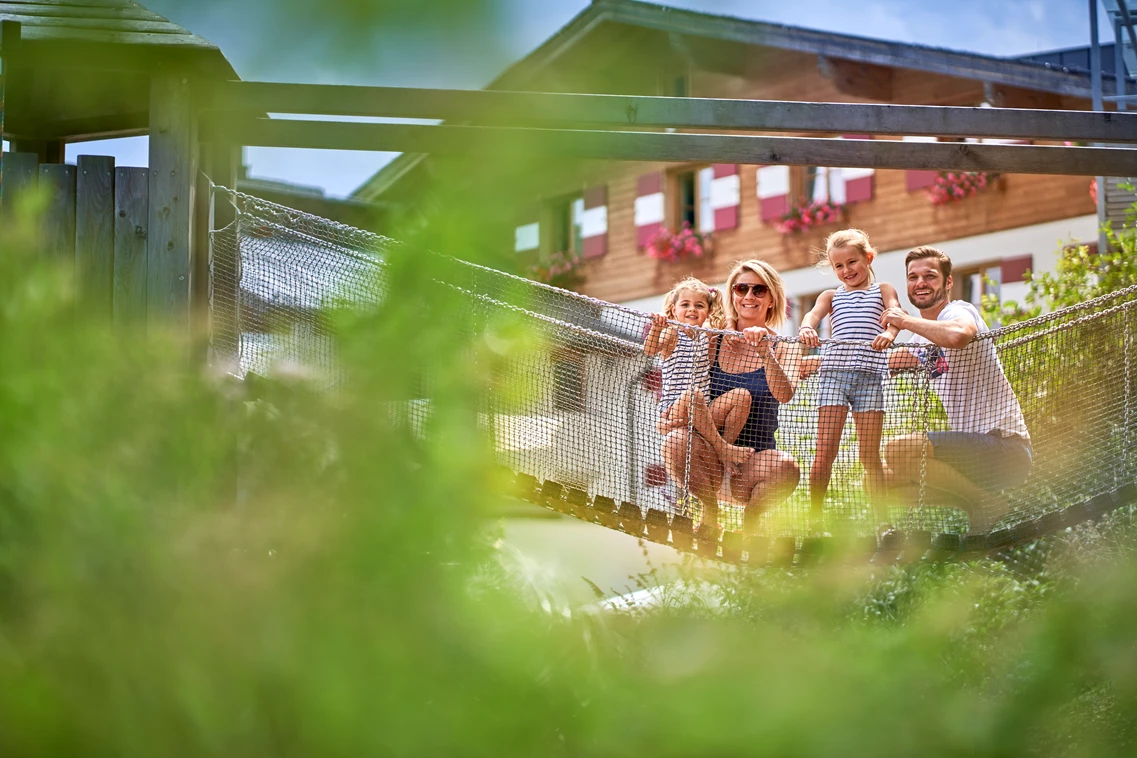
x,y
755,306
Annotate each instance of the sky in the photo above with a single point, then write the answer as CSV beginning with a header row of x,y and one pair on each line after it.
x,y
463,51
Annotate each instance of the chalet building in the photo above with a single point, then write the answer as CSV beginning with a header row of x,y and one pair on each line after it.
x,y
609,213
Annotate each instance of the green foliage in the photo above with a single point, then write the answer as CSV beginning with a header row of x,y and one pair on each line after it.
x,y
188,567
1080,275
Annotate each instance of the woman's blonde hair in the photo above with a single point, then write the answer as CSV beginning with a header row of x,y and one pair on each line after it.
x,y
717,317
764,271
853,238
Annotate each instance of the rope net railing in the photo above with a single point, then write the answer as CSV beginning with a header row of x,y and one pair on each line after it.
x,y
702,445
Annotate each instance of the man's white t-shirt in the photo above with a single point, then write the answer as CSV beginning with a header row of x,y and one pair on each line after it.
x,y
971,384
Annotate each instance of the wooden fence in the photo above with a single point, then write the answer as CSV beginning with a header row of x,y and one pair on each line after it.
x,y
95,215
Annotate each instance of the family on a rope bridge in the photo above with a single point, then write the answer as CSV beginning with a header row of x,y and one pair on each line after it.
x,y
720,394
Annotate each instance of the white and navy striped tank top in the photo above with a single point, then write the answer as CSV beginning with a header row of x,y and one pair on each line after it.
x,y
856,316
688,367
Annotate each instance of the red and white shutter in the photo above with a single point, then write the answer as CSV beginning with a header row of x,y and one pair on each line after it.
x,y
594,222
917,180
725,195
773,192
856,184
649,207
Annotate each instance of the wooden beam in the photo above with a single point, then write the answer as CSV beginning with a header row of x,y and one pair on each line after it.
x,y
216,289
857,79
674,147
173,173
488,107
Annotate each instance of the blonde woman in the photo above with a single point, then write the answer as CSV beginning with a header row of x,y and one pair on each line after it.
x,y
755,305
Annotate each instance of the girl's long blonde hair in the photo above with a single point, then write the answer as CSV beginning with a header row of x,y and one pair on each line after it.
x,y
717,317
764,271
853,238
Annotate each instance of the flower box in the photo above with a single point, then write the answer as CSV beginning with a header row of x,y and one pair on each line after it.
x,y
951,186
673,247
799,218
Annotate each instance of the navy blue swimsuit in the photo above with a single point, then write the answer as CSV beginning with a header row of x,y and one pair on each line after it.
x,y
758,431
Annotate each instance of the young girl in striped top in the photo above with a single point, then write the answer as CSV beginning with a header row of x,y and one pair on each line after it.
x,y
851,376
686,354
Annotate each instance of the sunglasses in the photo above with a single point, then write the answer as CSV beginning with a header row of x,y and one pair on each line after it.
x,y
742,288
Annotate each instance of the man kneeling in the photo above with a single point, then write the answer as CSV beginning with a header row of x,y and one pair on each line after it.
x,y
988,448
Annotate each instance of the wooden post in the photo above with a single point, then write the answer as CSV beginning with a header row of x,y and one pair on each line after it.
x,y
94,234
173,174
217,270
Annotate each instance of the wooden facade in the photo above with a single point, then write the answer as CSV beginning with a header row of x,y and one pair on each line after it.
x,y
675,53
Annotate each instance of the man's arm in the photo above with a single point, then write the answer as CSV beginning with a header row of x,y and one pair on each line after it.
x,y
954,333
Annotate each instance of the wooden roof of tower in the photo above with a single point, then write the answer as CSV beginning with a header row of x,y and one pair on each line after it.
x,y
82,67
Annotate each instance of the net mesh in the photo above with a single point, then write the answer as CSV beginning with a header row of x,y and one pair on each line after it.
x,y
717,442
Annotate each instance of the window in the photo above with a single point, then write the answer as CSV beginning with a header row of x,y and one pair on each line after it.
x,y
566,218
568,384
687,199
973,282
693,199
823,183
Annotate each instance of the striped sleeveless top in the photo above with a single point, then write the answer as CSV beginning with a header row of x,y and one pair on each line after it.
x,y
689,358
856,316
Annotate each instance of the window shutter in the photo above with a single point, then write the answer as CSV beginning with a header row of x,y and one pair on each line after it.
x,y
1014,269
725,195
773,191
649,208
594,222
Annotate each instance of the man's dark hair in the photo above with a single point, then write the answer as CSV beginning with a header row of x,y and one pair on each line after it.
x,y
927,251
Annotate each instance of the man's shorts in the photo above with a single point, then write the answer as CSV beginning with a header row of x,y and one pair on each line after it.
x,y
859,390
992,462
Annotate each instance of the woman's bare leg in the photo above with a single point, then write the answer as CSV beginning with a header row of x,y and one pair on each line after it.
x,y
730,411
692,403
703,478
765,482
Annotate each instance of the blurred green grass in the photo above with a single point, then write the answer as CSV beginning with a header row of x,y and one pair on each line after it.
x,y
188,569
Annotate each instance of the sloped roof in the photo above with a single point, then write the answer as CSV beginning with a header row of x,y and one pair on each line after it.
x,y
112,22
82,67
1013,72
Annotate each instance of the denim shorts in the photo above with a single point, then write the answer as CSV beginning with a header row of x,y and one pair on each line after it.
x,y
991,461
859,390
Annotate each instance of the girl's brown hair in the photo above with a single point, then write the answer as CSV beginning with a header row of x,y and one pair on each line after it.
x,y
717,317
764,271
